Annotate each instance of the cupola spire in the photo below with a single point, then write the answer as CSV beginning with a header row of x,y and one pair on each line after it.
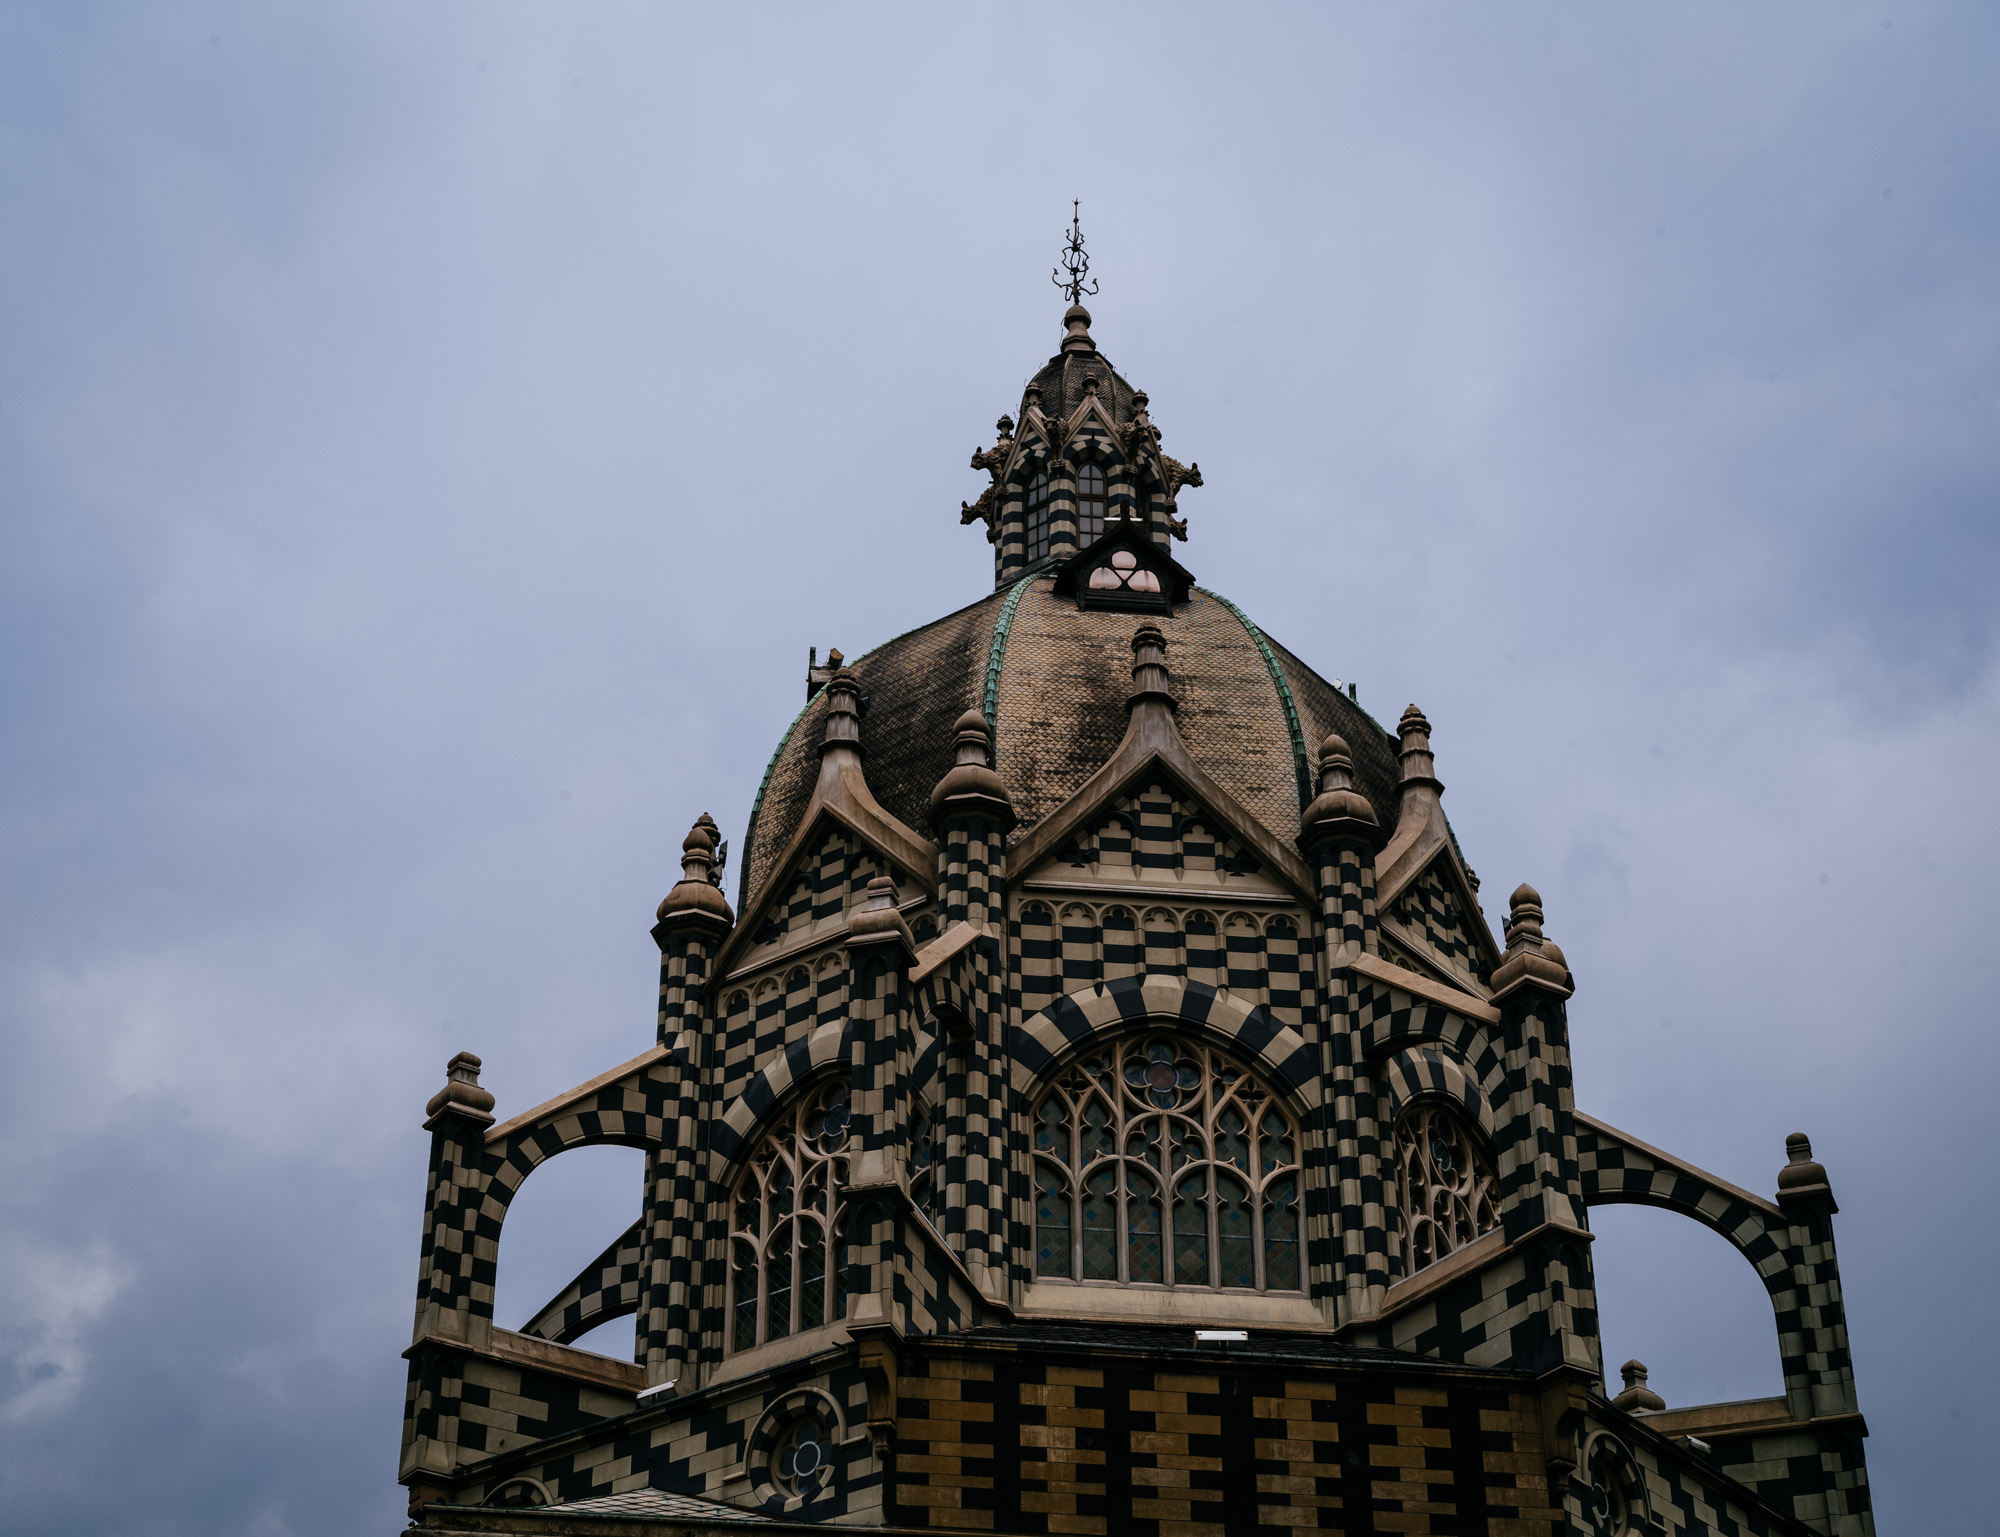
x,y
1074,264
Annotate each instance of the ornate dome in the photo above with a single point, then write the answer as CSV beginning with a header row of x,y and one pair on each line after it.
x,y
1059,385
1052,679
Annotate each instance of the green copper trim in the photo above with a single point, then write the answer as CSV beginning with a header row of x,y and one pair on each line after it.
x,y
757,805
1284,693
996,653
992,687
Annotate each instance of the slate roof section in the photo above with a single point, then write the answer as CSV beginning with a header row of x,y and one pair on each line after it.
x,y
658,1505
1061,383
917,686
1060,712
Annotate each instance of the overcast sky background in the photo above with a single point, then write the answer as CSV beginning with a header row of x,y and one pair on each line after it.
x,y
431,436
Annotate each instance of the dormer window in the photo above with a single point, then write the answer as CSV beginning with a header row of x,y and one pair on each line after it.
x,y
1038,517
1089,504
1122,572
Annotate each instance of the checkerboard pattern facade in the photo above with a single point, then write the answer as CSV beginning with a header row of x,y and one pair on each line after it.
x,y
951,1387
1429,916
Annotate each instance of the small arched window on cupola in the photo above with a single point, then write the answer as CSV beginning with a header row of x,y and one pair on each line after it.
x,y
1038,518
1090,503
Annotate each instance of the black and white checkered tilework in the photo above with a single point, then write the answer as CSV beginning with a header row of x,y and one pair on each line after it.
x,y
1429,915
1013,983
700,1448
1792,1253
606,1288
1158,828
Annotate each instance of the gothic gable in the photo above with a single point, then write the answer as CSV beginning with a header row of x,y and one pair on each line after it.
x,y
1430,920
1158,833
813,897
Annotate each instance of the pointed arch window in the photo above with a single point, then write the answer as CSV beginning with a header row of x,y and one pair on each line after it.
x,y
1160,1161
1038,517
788,1221
1446,1192
1090,503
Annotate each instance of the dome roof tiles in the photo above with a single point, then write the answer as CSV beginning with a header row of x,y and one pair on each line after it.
x,y
1059,713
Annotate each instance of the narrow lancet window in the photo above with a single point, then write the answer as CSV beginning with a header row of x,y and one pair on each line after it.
x,y
1038,518
1089,504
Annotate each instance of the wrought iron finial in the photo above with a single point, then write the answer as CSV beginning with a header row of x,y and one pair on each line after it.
x,y
1074,261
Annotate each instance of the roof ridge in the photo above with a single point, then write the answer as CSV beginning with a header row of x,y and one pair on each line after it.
x,y
996,653
1299,761
770,767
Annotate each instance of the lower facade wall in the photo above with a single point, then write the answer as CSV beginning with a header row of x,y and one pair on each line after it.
x,y
1021,1443
717,1451
1131,1436
1817,1472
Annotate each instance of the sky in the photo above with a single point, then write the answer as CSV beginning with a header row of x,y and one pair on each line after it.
x,y
431,437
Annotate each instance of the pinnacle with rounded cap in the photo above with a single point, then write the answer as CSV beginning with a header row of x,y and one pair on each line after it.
x,y
1637,1398
696,901
1419,763
461,1095
1076,330
1530,956
878,920
970,787
1339,809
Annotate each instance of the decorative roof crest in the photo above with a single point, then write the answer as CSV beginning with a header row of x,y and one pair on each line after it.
x,y
1074,261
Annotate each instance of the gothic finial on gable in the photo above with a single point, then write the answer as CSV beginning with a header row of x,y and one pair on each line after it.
x,y
1151,682
843,715
1802,1179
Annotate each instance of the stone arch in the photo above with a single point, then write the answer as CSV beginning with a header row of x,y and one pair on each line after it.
x,y
632,1109
1435,1072
1614,1170
769,1087
1277,1051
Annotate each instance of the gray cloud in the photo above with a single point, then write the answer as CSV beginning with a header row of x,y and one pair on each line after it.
x,y
408,418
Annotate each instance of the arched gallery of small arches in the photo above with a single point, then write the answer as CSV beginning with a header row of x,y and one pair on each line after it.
x,y
1677,1295
1256,956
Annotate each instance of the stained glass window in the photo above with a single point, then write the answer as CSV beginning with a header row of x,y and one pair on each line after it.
x,y
1160,1161
787,1241
1446,1194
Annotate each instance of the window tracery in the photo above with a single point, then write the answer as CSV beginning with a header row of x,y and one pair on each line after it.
x,y
1160,1161
1445,1188
788,1221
